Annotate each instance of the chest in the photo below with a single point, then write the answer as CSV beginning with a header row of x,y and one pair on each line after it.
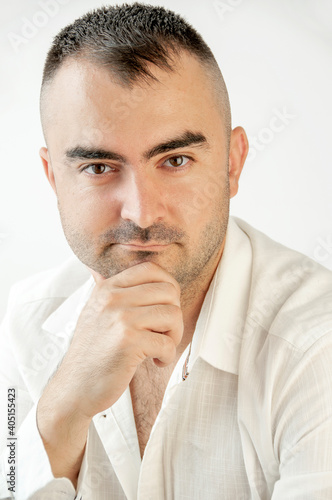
x,y
196,449
147,390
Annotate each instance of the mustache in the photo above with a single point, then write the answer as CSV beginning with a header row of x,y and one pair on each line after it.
x,y
159,232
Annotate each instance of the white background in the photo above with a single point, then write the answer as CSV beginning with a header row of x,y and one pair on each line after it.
x,y
276,59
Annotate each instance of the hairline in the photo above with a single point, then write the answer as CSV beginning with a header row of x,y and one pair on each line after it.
x,y
210,66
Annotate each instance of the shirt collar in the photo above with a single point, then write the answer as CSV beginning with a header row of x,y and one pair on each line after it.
x,y
218,334
64,318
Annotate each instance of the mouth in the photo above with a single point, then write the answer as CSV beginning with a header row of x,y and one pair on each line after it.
x,y
139,247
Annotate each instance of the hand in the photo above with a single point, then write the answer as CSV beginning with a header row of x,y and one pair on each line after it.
x,y
133,315
130,317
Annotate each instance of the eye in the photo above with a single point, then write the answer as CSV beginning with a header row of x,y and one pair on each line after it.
x,y
97,168
177,161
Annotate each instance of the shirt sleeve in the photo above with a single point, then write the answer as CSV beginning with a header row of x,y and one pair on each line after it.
x,y
35,477
303,427
25,471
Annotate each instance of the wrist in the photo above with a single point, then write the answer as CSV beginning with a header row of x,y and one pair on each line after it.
x,y
64,437
59,422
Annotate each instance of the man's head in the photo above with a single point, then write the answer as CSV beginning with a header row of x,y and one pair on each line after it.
x,y
136,118
127,40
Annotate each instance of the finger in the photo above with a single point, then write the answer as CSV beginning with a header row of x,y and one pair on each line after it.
x,y
157,346
145,272
147,294
155,293
164,319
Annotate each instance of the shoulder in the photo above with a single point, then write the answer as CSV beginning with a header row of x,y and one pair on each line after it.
x,y
33,299
56,282
285,367
291,294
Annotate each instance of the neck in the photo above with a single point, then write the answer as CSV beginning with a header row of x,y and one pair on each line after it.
x,y
192,298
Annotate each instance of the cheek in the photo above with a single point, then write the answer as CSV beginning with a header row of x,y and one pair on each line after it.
x,y
201,201
86,209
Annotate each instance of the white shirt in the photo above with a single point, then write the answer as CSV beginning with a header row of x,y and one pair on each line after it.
x,y
253,420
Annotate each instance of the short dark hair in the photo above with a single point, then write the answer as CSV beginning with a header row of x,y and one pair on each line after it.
x,y
127,38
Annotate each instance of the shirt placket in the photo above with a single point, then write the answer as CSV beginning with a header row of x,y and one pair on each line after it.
x,y
153,472
117,431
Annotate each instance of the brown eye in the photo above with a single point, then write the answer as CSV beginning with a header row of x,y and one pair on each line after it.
x,y
96,168
177,161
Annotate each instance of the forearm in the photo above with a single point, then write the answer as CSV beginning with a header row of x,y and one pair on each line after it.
x,y
64,437
118,328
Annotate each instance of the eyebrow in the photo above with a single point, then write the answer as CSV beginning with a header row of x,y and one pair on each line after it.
x,y
182,141
186,139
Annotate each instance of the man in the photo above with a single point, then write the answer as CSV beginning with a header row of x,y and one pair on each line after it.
x,y
184,355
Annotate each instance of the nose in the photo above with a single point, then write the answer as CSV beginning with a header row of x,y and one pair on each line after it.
x,y
142,201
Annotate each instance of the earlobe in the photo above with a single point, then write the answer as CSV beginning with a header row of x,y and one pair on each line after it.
x,y
45,158
238,151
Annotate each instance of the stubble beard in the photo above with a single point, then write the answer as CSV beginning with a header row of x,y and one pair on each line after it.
x,y
193,267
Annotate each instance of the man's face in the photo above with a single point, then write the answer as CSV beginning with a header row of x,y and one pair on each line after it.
x,y
140,174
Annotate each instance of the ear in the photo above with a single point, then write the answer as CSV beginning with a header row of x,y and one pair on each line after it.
x,y
238,151
46,161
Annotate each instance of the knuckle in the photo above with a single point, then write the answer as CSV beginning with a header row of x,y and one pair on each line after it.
x,y
177,287
125,337
176,313
112,297
170,313
173,290
100,291
122,317
163,310
122,280
166,341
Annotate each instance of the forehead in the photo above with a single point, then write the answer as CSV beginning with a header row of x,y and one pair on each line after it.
x,y
85,101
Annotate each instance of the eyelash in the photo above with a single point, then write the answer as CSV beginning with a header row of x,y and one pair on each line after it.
x,y
181,167
173,169
96,165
